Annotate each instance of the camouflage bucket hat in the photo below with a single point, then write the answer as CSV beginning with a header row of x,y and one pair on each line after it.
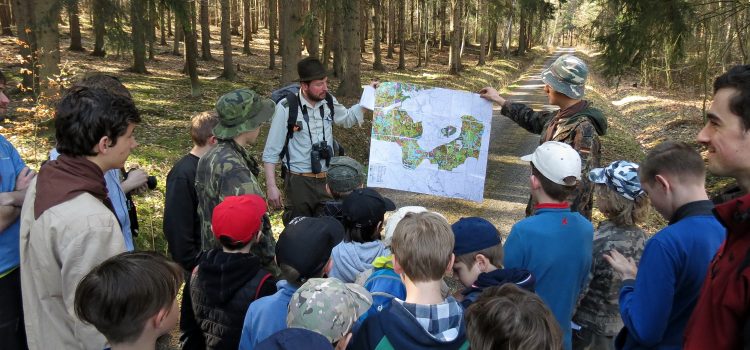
x,y
621,176
567,75
328,306
344,174
240,111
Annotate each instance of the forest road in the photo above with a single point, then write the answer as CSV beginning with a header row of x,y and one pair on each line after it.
x,y
506,189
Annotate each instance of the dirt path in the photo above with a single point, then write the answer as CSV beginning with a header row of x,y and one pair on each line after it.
x,y
506,185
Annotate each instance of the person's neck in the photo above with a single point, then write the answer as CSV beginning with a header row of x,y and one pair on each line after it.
x,y
687,195
143,343
543,198
98,161
199,151
240,140
567,103
424,293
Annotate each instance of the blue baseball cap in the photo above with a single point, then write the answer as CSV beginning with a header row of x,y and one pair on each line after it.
x,y
474,234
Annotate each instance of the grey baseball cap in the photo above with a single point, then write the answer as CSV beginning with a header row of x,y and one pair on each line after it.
x,y
344,174
567,75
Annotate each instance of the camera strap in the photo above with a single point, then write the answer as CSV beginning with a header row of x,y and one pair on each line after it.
x,y
307,120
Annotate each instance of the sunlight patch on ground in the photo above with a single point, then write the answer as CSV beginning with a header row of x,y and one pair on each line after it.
x,y
633,99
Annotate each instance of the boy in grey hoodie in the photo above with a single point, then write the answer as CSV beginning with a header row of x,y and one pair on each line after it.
x,y
363,213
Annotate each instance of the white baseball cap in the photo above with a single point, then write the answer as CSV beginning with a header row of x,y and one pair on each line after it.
x,y
557,161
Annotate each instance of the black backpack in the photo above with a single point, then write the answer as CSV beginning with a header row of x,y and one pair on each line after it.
x,y
289,93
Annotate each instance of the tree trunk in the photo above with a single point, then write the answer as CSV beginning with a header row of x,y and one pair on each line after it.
x,y
377,63
522,32
236,20
271,34
363,24
205,32
226,40
338,34
312,35
401,34
75,26
178,33
508,31
443,20
151,34
46,14
138,27
247,27
419,35
411,19
328,38
191,50
454,55
391,28
482,29
162,29
255,13
23,12
97,6
291,21
350,85
5,18
426,22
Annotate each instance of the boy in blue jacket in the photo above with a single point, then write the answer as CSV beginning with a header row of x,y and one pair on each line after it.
x,y
658,296
303,251
555,243
422,254
479,259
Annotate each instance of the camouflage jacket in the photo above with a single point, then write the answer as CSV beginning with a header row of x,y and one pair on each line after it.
x,y
598,308
226,170
581,131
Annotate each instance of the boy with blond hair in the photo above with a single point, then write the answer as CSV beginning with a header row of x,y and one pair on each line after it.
x,y
422,254
554,243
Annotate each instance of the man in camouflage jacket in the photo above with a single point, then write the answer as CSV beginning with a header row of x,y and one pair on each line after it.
x,y
577,123
228,170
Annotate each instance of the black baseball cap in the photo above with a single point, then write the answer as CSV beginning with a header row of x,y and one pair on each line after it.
x,y
306,244
365,207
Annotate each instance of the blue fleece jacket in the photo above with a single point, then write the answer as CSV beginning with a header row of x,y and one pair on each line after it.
x,y
266,316
656,306
555,245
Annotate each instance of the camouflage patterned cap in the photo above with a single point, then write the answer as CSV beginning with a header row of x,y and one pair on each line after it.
x,y
567,75
328,306
240,111
621,176
344,174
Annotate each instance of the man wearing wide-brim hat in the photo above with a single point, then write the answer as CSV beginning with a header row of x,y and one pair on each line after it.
x,y
228,169
576,123
317,111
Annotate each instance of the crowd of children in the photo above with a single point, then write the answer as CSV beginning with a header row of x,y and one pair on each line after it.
x,y
364,274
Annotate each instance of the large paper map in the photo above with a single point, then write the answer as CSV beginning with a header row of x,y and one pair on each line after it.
x,y
429,140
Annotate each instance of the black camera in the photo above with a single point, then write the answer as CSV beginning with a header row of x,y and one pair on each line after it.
x,y
320,151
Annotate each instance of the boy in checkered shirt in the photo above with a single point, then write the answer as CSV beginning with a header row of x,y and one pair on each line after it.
x,y
422,248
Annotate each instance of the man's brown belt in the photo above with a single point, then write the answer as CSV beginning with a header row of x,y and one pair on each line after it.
x,y
321,175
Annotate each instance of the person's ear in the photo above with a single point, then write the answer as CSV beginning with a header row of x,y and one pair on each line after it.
x,y
212,140
379,229
397,267
449,268
102,145
481,261
160,317
258,237
662,183
534,181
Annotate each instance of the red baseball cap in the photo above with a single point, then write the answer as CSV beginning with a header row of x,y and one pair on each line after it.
x,y
238,217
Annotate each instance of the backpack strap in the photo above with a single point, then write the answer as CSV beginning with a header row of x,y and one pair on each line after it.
x,y
260,278
291,124
329,102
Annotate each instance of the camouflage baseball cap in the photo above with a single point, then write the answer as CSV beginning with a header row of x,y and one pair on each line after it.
x,y
240,111
621,176
328,306
567,75
344,174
